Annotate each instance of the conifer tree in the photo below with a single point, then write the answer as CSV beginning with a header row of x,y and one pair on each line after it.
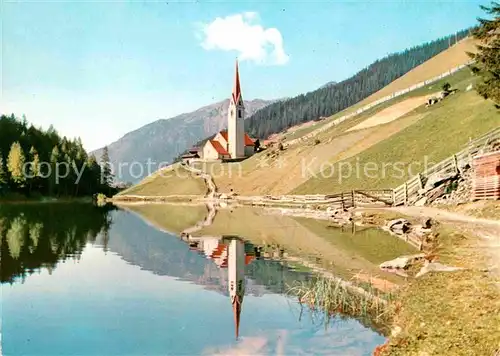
x,y
107,175
487,58
15,164
3,173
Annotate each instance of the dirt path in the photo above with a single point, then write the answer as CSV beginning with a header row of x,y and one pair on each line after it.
x,y
392,113
209,181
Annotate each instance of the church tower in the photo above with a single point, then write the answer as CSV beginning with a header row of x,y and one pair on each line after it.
x,y
236,279
235,120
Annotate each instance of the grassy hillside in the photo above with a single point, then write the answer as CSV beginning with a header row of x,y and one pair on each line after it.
x,y
460,116
443,130
173,180
444,61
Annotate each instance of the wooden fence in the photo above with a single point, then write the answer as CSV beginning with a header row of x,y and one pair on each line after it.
x,y
344,200
446,168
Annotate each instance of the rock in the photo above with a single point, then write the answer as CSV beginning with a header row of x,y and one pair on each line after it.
x,y
420,231
469,87
438,178
436,267
462,192
399,226
402,262
427,223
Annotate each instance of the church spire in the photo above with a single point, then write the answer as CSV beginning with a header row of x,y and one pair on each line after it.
x,y
237,87
237,312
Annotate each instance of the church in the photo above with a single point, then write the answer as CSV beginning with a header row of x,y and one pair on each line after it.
x,y
233,143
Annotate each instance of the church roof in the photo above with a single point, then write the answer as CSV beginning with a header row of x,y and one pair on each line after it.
x,y
224,134
237,86
248,140
218,147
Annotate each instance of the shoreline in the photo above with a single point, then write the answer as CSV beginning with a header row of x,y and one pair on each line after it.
x,y
45,200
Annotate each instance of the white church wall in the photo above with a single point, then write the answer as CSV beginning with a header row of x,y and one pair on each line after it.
x,y
209,152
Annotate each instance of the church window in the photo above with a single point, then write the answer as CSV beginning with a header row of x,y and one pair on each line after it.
x,y
240,114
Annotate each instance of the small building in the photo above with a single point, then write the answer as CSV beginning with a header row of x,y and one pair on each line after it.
x,y
192,154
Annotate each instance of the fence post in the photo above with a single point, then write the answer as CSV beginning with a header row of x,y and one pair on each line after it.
x,y
406,193
342,200
352,197
420,179
394,197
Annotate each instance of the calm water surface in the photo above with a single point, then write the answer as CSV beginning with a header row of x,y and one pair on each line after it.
x,y
78,280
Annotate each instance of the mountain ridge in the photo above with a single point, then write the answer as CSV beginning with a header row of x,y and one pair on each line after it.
x,y
162,140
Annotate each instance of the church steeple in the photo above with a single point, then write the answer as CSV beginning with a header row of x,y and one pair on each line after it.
x,y
236,279
235,120
237,86
236,312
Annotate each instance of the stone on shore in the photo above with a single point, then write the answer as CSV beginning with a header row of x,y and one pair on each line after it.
x,y
402,262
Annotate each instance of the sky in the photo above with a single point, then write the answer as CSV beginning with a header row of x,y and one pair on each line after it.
x,y
99,69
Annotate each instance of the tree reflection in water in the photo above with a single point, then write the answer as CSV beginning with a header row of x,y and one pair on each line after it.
x,y
36,236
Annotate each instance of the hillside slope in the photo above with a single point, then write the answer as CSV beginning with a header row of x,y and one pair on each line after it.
x,y
453,57
437,131
163,140
402,129
329,100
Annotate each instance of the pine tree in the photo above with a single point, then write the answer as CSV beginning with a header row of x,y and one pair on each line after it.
x,y
488,54
107,175
3,174
15,164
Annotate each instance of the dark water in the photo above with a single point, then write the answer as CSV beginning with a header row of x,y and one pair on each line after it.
x,y
79,280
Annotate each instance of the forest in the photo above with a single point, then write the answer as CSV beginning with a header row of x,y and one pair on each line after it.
x,y
329,100
38,163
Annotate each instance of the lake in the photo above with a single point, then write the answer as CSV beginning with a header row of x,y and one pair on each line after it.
x,y
82,280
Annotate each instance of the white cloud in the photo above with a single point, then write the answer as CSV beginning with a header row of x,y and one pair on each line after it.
x,y
244,34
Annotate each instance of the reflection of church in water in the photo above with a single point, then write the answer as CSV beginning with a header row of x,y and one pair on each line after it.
x,y
228,252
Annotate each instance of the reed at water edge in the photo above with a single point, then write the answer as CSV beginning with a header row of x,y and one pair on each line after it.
x,y
336,297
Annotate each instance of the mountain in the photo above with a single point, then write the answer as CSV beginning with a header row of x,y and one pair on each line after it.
x,y
164,139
